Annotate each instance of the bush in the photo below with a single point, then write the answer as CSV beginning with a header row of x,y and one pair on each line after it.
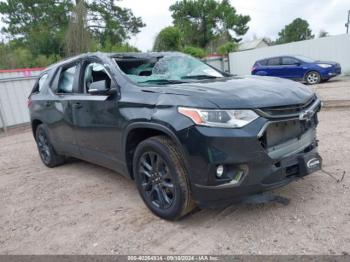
x,y
195,51
227,48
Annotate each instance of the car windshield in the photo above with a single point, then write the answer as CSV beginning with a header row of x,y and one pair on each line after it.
x,y
305,59
165,69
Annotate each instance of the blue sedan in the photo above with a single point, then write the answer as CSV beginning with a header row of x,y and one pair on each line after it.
x,y
297,68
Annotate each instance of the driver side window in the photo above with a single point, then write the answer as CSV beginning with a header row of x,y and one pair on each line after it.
x,y
94,72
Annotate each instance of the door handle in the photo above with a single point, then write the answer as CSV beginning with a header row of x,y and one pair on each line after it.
x,y
77,105
47,103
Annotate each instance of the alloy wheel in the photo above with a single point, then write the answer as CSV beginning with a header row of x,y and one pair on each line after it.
x,y
156,181
44,148
313,78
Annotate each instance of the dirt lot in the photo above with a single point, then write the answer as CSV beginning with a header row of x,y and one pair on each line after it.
x,y
80,208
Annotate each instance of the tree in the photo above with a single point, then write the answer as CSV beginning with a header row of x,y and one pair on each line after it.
x,y
111,23
323,33
168,39
195,51
78,39
203,20
298,30
39,32
36,24
227,48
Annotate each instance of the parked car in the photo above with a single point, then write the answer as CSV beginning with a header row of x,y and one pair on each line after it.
x,y
297,68
187,133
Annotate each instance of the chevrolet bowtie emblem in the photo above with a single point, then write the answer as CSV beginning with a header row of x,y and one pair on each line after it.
x,y
306,115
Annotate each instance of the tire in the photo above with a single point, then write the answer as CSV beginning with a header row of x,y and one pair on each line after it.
x,y
312,78
47,153
161,178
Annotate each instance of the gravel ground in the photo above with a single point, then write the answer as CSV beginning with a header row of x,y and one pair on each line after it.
x,y
334,93
80,208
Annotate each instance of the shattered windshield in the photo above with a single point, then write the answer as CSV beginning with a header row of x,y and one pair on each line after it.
x,y
166,69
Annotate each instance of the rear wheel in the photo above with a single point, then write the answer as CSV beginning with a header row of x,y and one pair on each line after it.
x,y
46,151
312,78
161,178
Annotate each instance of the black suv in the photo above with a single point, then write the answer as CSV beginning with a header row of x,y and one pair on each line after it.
x,y
187,133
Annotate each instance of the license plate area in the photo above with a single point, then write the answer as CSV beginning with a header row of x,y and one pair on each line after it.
x,y
310,163
302,165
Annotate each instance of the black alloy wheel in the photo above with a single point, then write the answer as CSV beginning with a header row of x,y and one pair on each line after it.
x,y
161,178
156,182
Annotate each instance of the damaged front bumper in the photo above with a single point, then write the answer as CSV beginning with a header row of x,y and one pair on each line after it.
x,y
266,154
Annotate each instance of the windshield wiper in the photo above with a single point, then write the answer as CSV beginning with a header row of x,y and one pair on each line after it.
x,y
162,81
199,77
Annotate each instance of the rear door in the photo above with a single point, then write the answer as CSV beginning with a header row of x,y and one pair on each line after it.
x,y
59,117
97,119
274,67
291,68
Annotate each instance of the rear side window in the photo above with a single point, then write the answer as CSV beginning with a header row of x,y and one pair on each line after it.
x,y
262,62
42,81
40,84
274,61
66,81
289,61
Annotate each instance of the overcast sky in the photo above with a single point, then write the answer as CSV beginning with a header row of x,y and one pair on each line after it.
x,y
267,16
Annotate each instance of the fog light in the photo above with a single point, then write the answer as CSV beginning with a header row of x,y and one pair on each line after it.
x,y
219,171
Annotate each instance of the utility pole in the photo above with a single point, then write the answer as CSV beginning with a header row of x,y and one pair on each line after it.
x,y
348,23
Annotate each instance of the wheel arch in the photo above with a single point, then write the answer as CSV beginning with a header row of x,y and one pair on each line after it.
x,y
138,132
309,71
35,123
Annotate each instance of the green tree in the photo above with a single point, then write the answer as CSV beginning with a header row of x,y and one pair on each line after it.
x,y
111,23
202,20
168,39
36,24
39,32
323,33
78,39
298,30
195,51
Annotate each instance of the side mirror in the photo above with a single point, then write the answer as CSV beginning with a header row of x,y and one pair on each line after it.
x,y
297,63
102,87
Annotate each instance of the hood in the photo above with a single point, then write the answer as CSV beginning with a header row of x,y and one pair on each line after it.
x,y
245,92
326,62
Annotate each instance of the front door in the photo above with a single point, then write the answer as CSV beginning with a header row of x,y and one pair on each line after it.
x,y
292,68
274,67
97,119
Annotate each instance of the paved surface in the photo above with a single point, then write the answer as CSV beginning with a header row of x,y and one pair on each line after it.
x,y
80,208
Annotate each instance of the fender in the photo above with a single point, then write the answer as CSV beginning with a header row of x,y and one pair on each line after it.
x,y
158,127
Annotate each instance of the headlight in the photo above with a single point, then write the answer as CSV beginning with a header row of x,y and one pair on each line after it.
x,y
324,65
219,118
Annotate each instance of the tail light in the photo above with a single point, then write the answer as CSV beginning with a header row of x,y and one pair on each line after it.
x,y
253,68
29,102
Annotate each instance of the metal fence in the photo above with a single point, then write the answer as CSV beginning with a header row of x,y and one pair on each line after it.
x,y
15,86
333,48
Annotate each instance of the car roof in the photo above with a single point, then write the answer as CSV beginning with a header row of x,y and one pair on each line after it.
x,y
110,55
267,58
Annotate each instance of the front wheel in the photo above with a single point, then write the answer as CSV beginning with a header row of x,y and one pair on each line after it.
x,y
312,78
161,178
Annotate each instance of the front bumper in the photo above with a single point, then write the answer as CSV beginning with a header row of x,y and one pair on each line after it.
x,y
242,149
331,72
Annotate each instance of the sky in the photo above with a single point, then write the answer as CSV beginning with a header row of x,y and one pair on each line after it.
x,y
268,17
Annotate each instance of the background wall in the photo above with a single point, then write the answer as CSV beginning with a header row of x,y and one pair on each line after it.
x,y
15,86
334,48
